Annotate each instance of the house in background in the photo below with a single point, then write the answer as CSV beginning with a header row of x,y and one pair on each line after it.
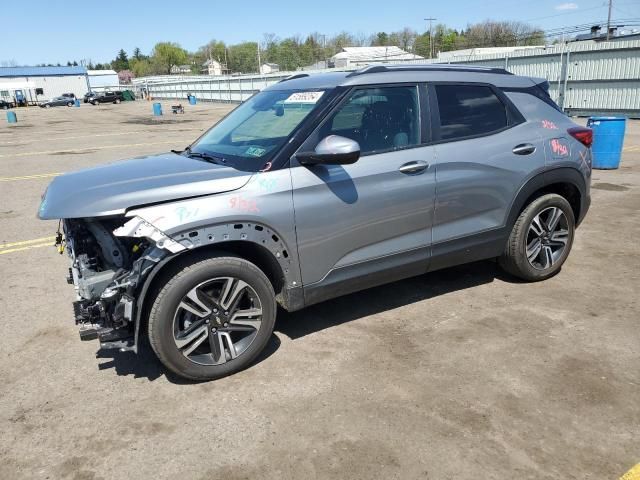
x,y
214,68
269,68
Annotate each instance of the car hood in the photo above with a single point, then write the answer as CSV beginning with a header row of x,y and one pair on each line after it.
x,y
112,189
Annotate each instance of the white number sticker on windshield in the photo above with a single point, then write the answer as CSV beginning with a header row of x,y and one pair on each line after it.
x,y
304,97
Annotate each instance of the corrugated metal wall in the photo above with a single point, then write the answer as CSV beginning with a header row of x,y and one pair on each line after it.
x,y
584,77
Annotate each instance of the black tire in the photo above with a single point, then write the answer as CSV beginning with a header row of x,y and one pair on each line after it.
x,y
173,291
117,101
70,104
514,260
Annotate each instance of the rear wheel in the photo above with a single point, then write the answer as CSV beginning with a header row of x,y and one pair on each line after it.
x,y
541,239
47,106
70,104
117,100
212,318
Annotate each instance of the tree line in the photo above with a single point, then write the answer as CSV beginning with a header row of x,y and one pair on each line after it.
x,y
294,52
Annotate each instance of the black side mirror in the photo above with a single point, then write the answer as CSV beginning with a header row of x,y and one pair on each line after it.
x,y
332,150
279,110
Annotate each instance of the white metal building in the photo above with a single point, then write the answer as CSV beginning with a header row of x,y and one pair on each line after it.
x,y
269,68
355,56
36,84
98,79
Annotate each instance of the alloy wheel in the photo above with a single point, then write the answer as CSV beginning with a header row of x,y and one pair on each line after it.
x,y
217,321
547,238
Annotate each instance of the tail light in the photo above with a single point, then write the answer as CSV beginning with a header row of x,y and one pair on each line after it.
x,y
582,134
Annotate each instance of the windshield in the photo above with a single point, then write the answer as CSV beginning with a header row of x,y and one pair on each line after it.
x,y
249,137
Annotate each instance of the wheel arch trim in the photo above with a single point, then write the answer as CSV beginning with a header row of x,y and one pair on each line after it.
x,y
560,175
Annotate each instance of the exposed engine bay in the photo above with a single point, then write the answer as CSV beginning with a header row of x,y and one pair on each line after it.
x,y
106,271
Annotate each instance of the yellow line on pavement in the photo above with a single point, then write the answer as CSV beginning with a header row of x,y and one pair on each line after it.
x,y
633,474
28,247
27,242
29,177
88,150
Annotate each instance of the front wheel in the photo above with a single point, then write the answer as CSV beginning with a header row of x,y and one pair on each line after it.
x,y
212,318
117,101
541,239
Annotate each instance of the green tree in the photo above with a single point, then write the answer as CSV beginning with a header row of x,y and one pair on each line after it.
x,y
137,54
243,57
141,68
166,55
121,62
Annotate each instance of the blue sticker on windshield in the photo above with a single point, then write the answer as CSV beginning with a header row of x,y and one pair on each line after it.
x,y
255,151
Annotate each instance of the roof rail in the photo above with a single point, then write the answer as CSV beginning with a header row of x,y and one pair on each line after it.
x,y
293,77
437,67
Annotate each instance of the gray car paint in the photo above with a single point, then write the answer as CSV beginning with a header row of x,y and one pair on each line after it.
x,y
478,178
113,188
326,217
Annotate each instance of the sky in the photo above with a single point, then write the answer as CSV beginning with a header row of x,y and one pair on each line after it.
x,y
55,31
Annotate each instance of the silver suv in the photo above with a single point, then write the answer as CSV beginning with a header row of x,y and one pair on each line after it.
x,y
316,187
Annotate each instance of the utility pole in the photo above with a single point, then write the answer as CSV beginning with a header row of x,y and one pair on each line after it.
x,y
259,62
609,19
430,20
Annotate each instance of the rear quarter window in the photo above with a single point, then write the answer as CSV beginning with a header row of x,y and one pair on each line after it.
x,y
469,110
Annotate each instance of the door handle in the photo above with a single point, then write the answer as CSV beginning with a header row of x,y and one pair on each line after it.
x,y
414,167
524,149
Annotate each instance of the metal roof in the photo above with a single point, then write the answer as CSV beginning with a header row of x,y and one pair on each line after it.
x,y
355,54
41,71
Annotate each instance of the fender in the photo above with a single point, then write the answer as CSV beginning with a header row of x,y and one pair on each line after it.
x,y
549,177
203,238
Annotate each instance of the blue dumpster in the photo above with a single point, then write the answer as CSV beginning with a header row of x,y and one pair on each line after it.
x,y
608,136
192,99
77,103
11,117
157,109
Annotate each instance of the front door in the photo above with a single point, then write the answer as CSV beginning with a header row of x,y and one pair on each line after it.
x,y
369,222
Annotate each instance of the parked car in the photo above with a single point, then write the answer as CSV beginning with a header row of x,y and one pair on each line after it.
x,y
319,186
107,97
58,102
6,105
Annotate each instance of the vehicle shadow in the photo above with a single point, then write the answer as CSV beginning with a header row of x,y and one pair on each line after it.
x,y
145,364
387,297
325,315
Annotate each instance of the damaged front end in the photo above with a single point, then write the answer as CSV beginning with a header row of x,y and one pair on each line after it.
x,y
110,258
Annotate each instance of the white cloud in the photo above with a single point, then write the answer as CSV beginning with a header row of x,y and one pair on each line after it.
x,y
567,6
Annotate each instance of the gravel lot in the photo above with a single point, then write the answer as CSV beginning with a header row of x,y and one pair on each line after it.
x,y
460,374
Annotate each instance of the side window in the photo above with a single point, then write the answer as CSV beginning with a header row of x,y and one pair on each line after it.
x,y
379,119
467,110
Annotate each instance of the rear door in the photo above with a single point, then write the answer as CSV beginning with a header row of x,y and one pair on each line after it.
x,y
485,152
355,221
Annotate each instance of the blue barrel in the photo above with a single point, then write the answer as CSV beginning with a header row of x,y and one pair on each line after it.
x,y
77,103
157,109
11,117
608,136
192,99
